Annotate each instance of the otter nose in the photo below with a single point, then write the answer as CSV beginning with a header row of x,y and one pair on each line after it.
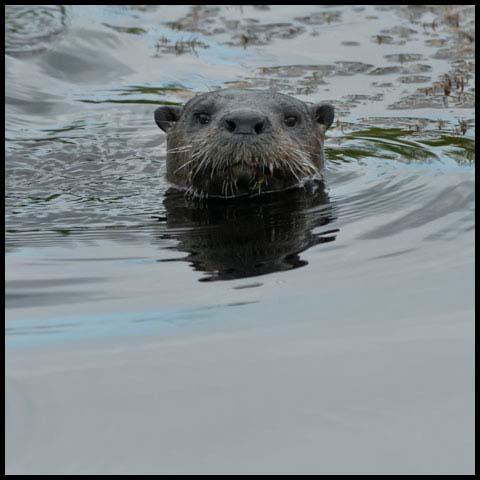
x,y
245,122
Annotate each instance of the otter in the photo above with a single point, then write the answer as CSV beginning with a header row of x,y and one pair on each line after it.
x,y
243,142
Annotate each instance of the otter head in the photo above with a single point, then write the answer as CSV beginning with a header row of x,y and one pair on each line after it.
x,y
236,142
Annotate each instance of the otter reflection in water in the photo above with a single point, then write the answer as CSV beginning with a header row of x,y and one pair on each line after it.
x,y
249,237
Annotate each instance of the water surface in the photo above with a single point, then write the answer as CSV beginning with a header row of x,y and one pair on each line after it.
x,y
374,268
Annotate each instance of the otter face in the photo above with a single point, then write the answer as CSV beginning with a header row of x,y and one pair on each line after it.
x,y
237,142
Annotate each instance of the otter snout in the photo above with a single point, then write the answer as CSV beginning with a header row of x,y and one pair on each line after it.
x,y
245,122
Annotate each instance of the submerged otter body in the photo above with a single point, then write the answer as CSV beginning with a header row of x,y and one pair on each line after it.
x,y
236,142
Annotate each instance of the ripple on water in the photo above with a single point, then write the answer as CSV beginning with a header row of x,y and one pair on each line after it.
x,y
30,28
110,189
85,188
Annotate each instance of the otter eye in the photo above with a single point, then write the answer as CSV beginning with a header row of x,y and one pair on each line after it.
x,y
203,118
291,121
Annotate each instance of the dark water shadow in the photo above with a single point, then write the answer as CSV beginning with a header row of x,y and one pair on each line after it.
x,y
247,237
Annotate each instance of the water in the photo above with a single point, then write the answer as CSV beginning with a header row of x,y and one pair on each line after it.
x,y
100,249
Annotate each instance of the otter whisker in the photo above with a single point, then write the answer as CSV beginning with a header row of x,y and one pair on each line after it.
x,y
200,166
188,192
293,171
185,148
184,165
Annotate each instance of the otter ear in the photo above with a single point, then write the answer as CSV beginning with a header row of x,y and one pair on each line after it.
x,y
323,114
166,116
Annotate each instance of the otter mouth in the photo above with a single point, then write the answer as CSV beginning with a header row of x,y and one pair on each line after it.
x,y
237,168
242,179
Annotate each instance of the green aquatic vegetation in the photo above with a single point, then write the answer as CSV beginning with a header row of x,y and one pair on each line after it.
x,y
53,131
403,145
130,30
449,140
151,90
462,157
346,154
